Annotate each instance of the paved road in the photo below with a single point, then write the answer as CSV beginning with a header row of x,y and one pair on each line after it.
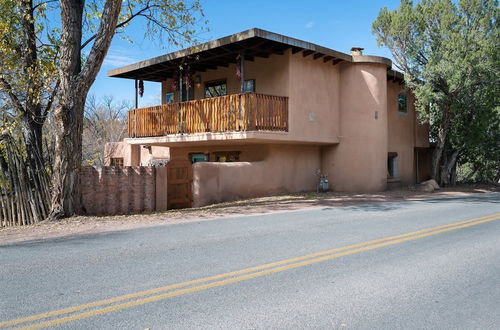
x,y
332,268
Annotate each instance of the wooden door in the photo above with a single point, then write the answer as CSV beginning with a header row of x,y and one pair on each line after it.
x,y
179,179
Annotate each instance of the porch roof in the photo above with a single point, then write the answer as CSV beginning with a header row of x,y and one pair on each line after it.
x,y
221,52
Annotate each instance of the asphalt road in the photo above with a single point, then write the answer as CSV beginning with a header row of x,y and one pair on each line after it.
x,y
431,264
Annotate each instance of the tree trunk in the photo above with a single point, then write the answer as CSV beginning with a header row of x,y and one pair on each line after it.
x,y
75,82
66,194
447,169
441,143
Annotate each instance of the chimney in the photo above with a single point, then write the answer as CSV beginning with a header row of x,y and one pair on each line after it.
x,y
355,51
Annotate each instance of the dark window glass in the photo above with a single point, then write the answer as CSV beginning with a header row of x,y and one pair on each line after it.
x,y
116,162
196,158
227,156
402,102
215,88
249,86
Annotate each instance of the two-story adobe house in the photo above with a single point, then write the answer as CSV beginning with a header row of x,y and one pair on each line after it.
x,y
259,113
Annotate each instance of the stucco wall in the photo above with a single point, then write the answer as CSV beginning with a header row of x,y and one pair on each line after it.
x,y
287,169
129,153
401,132
314,100
153,153
270,74
133,155
359,161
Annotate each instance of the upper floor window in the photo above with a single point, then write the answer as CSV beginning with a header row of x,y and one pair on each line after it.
x,y
402,102
215,88
249,86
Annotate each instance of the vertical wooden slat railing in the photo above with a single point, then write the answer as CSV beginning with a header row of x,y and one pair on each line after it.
x,y
235,112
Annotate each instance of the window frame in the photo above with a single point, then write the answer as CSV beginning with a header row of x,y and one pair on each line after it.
x,y
214,83
116,161
227,155
400,109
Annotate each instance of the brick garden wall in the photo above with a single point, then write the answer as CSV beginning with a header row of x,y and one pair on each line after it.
x,y
118,190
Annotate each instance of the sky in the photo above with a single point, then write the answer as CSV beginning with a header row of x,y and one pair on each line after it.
x,y
336,24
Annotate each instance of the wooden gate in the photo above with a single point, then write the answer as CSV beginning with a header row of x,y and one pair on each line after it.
x,y
179,179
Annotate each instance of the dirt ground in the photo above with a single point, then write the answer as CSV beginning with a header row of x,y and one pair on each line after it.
x,y
80,225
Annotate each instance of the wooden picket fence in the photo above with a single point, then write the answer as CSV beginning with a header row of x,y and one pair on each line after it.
x,y
24,186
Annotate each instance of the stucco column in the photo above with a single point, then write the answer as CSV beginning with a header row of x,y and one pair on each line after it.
x,y
359,161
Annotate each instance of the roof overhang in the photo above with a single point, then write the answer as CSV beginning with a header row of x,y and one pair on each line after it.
x,y
221,52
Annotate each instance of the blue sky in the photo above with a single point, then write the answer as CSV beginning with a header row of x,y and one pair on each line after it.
x,y
334,24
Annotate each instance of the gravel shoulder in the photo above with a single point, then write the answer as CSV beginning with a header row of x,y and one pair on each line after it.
x,y
81,225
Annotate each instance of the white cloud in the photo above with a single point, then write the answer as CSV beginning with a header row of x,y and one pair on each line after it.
x,y
115,60
309,24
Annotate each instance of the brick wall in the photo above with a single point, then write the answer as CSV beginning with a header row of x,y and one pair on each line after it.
x,y
118,190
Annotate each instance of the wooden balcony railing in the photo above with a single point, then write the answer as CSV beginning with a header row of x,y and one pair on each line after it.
x,y
235,112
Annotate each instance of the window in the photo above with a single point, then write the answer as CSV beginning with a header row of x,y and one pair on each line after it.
x,y
196,158
116,162
402,102
227,156
249,86
392,165
215,88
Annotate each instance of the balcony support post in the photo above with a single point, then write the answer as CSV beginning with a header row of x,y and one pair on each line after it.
x,y
242,89
136,95
179,117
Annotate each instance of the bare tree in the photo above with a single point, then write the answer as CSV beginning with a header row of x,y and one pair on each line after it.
x,y
105,121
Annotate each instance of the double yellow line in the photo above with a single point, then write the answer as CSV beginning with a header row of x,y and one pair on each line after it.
x,y
148,296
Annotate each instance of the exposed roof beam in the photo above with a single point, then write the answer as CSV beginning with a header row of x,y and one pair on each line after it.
x,y
307,52
327,58
318,55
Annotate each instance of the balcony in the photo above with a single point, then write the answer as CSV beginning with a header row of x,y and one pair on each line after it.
x,y
230,113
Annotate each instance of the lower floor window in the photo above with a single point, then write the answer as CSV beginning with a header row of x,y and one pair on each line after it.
x,y
227,156
116,161
196,158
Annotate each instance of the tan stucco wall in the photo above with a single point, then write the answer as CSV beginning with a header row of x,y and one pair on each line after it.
x,y
314,99
401,132
286,169
270,74
133,155
156,152
359,161
129,153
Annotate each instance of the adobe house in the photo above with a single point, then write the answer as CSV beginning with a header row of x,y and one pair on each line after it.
x,y
259,113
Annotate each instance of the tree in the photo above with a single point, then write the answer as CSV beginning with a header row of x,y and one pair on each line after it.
x,y
68,59
104,121
449,54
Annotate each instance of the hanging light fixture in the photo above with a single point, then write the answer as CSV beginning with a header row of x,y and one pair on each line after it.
x,y
197,81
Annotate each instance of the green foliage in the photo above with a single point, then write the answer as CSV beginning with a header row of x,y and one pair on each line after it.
x,y
449,52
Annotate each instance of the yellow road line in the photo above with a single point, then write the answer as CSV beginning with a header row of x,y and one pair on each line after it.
x,y
241,278
328,253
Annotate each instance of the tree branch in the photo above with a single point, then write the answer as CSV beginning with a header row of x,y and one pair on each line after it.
x,y
12,96
100,47
122,24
